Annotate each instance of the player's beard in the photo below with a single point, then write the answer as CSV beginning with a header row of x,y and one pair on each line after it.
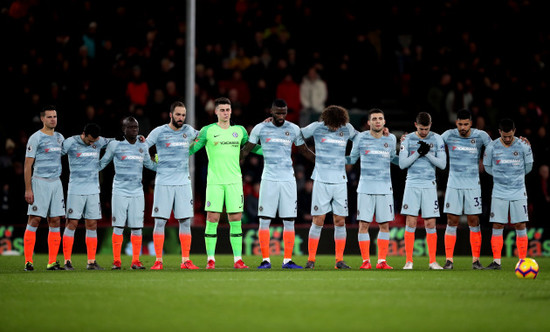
x,y
176,124
464,133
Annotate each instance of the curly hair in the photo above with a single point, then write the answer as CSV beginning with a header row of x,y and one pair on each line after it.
x,y
335,116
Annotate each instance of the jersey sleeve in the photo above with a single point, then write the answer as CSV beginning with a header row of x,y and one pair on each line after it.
x,y
394,158
439,158
405,161
200,141
254,134
32,146
445,135
148,163
308,131
152,138
66,146
527,157
352,131
488,159
108,156
299,140
354,154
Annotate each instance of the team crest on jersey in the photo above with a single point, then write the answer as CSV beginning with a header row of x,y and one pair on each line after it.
x,y
208,203
341,134
405,206
431,145
235,134
114,218
447,205
358,212
315,208
94,146
140,150
34,208
184,135
473,141
492,214
156,209
261,208
386,145
287,133
70,211
516,153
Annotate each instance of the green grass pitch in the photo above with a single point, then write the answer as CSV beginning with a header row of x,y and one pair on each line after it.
x,y
275,300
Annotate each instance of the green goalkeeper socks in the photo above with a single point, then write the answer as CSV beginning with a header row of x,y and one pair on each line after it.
x,y
236,237
211,237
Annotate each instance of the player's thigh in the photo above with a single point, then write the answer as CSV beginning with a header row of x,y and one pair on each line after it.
x,y
384,208
454,201
92,209
499,210
183,202
48,199
429,204
75,206
365,207
340,199
163,201
234,198
320,199
472,201
57,202
119,210
136,209
268,199
288,200
518,211
411,201
214,197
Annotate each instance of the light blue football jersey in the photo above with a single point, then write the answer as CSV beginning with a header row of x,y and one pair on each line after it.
x,y
83,164
330,151
276,145
46,151
376,155
464,155
173,153
129,160
421,171
509,168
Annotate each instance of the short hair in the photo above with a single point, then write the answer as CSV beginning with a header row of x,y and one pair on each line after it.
x,y
92,129
464,114
506,125
128,119
221,101
374,111
47,108
335,116
176,104
424,119
279,103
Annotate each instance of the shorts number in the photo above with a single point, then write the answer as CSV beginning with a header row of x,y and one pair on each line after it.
x,y
525,209
391,209
477,199
436,203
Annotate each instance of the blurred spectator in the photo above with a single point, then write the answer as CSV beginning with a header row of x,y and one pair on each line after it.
x,y
313,94
137,90
289,91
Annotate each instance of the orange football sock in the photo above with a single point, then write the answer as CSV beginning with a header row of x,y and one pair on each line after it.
x,y
312,245
496,244
450,241
136,246
29,239
382,248
263,235
54,240
91,247
288,240
185,241
409,245
431,238
158,241
522,243
364,247
340,245
68,242
117,246
475,243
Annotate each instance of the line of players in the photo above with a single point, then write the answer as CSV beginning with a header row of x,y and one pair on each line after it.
x,y
507,159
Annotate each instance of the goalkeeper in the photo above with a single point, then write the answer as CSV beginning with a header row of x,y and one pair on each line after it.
x,y
224,181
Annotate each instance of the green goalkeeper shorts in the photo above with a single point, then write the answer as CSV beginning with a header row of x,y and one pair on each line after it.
x,y
231,194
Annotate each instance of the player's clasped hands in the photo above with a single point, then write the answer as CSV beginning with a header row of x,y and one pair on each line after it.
x,y
424,148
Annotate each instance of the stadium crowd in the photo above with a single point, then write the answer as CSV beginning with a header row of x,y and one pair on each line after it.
x,y
102,61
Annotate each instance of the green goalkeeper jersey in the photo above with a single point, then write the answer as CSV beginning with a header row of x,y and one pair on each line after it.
x,y
223,147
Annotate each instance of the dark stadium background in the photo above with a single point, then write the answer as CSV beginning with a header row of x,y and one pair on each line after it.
x,y
400,56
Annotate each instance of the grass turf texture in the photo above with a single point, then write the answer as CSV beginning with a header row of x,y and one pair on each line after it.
x,y
298,300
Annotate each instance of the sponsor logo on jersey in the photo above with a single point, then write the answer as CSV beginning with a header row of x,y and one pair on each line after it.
x,y
131,158
278,140
465,148
52,150
380,152
177,144
86,154
333,141
508,161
